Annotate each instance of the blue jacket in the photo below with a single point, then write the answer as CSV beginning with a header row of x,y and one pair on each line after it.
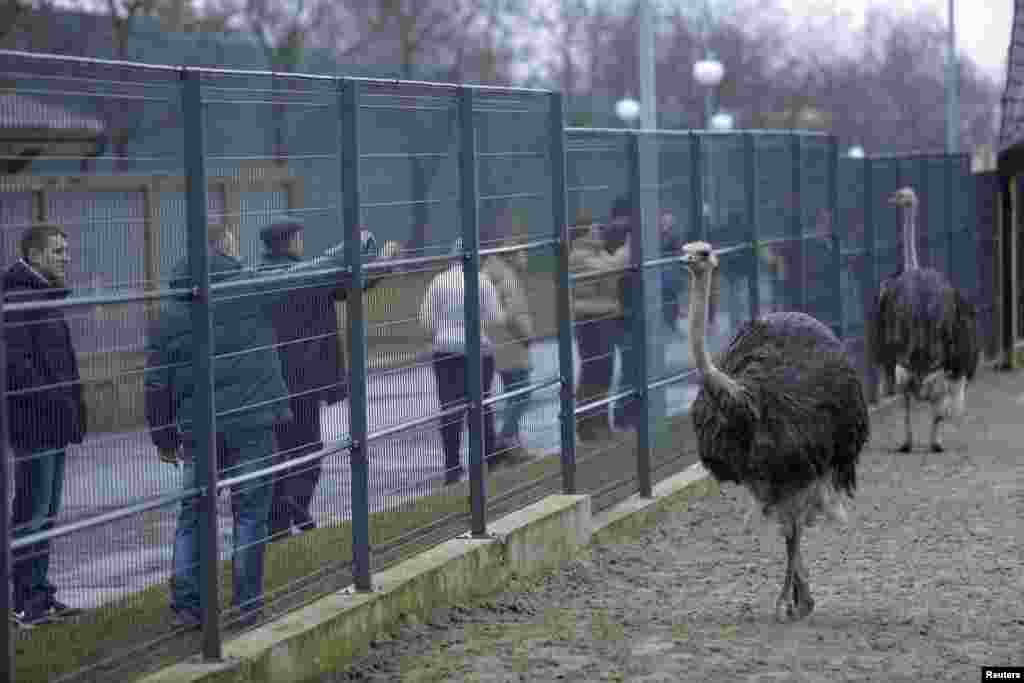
x,y
44,398
249,389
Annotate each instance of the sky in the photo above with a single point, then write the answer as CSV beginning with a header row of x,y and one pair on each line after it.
x,y
982,26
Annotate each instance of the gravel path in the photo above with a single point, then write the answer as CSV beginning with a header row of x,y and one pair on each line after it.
x,y
927,583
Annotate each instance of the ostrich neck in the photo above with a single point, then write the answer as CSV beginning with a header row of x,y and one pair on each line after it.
x,y
909,238
700,291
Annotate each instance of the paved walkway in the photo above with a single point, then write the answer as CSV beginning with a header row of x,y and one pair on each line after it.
x,y
927,583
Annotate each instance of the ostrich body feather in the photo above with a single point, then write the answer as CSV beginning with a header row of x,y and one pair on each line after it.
x,y
924,324
796,418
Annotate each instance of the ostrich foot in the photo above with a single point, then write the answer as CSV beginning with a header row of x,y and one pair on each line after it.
x,y
906,447
785,609
788,610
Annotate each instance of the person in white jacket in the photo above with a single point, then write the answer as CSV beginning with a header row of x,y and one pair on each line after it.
x,y
443,315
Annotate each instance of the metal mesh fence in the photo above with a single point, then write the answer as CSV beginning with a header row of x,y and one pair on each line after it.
x,y
320,323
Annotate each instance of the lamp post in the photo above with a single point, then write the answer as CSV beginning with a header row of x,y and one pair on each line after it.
x,y
952,87
709,73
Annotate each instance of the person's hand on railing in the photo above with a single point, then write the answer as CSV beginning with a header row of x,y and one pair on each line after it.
x,y
168,455
392,248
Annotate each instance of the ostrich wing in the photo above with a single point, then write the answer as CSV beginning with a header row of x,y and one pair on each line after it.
x,y
962,351
915,321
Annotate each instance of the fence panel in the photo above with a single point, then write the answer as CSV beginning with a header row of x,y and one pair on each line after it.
x,y
111,536
816,223
379,473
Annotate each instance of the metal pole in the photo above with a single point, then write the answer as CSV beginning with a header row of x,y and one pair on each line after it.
x,y
750,156
837,230
648,82
6,630
471,278
952,87
566,370
951,205
349,97
870,272
204,420
698,222
800,267
638,311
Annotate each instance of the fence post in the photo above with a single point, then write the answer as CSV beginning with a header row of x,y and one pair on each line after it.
x,y
567,414
349,96
638,311
1010,210
204,421
6,630
952,162
796,229
837,228
871,274
471,279
698,223
753,234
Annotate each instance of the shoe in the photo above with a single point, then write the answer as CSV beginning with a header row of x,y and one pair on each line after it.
x,y
30,616
185,619
59,610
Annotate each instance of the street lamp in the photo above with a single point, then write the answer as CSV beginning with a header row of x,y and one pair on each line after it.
x,y
628,110
856,152
709,72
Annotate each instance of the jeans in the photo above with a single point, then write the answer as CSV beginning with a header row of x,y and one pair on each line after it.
x,y
39,488
238,452
515,408
598,338
450,372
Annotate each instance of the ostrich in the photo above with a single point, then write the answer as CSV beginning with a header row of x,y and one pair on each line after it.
x,y
923,334
783,414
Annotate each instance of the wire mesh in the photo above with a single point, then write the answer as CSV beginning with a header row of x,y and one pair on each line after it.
x,y
274,160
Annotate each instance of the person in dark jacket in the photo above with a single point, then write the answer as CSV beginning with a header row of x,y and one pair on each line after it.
x,y
44,399
250,397
625,414
306,326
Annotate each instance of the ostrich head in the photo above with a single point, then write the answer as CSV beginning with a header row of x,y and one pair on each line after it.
x,y
700,258
905,196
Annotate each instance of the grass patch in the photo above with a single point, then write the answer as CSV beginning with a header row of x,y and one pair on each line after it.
x,y
141,617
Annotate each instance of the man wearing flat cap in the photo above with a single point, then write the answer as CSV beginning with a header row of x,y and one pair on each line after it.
x,y
311,362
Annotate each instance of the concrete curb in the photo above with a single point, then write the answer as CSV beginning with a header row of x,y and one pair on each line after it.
x,y
333,631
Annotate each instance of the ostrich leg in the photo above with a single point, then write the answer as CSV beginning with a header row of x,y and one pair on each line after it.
x,y
784,606
937,421
908,443
804,603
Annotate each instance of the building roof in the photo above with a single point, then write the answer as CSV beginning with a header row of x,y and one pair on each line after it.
x,y
30,128
24,117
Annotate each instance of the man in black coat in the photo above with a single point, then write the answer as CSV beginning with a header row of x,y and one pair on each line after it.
x,y
44,399
313,368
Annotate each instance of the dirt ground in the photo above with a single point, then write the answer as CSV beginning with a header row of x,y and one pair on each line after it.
x,y
925,584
